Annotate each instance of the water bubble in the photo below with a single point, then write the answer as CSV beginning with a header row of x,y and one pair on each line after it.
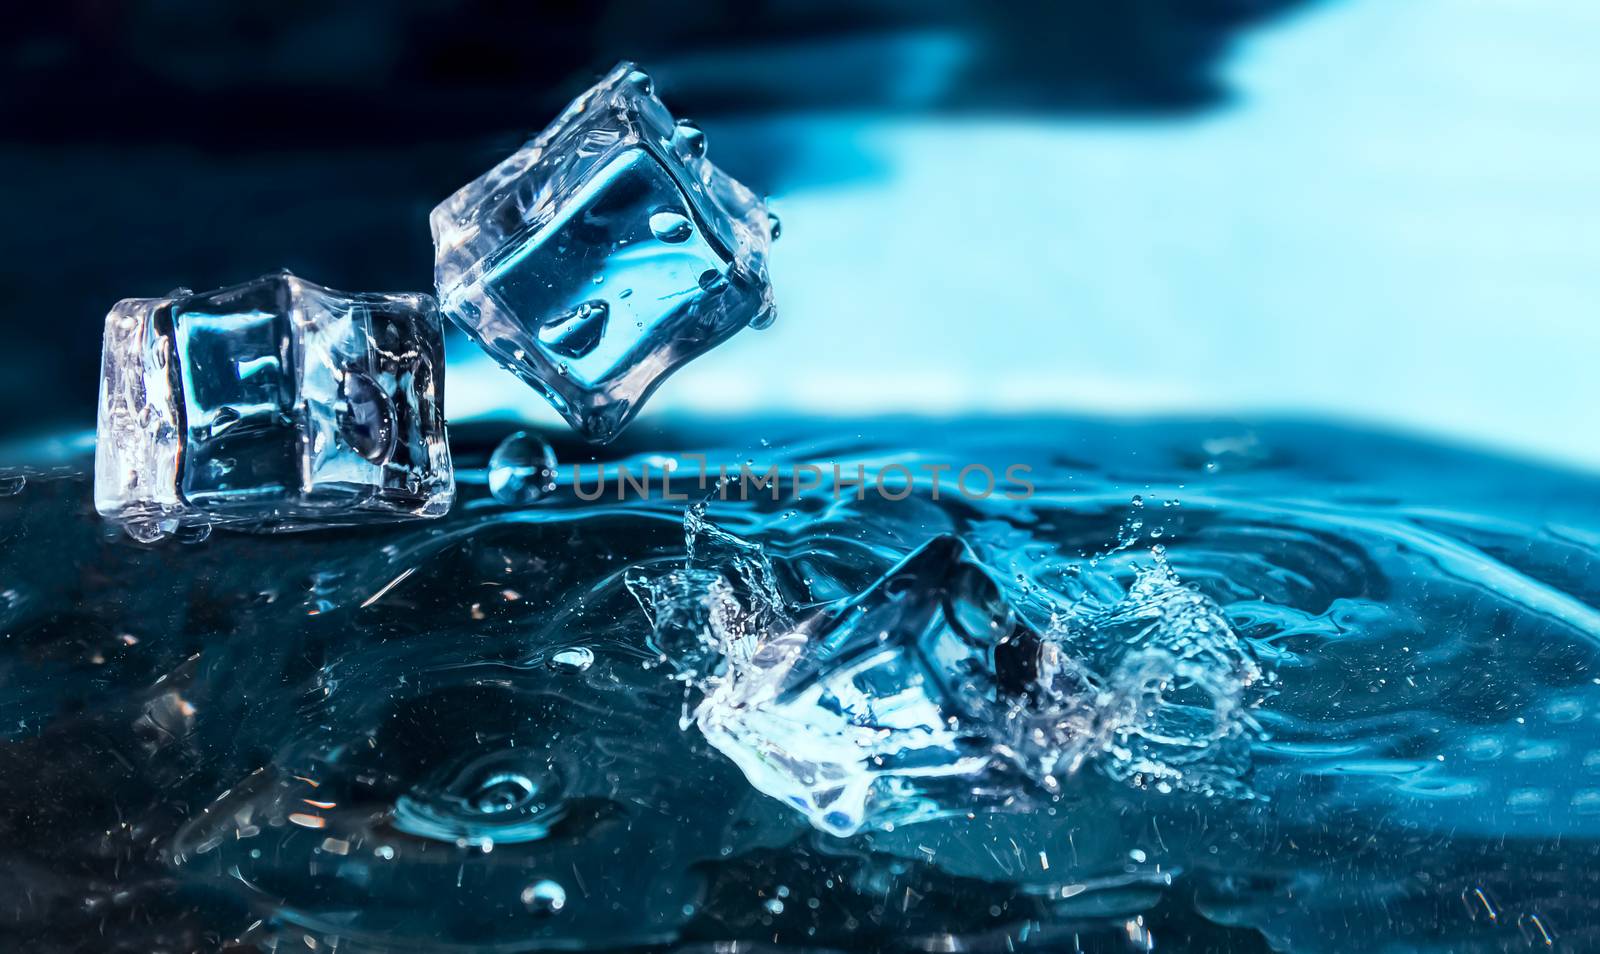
x,y
544,897
194,533
774,906
12,484
671,226
689,139
573,659
712,281
522,469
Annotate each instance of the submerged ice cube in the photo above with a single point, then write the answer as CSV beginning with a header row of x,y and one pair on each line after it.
x,y
867,709
604,254
272,405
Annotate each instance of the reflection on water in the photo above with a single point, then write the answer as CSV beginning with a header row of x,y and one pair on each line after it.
x,y
467,735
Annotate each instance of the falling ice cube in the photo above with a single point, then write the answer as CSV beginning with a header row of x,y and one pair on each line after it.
x,y
273,405
603,254
881,708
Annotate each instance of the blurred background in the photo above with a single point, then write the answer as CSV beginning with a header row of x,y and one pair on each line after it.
x,y
1370,210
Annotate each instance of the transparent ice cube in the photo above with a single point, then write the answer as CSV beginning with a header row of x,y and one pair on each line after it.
x,y
604,254
881,708
272,405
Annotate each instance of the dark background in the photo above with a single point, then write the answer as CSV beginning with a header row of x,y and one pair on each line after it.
x,y
151,145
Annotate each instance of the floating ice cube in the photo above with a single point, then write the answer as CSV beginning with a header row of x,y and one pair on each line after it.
x,y
603,254
272,405
881,708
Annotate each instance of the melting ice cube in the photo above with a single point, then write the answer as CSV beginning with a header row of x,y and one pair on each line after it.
x,y
603,254
867,709
272,405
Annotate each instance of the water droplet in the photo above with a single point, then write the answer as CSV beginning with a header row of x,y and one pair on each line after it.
x,y
12,484
712,281
150,530
641,82
544,897
194,533
671,226
774,906
366,418
765,317
689,139
774,225
573,659
577,332
522,469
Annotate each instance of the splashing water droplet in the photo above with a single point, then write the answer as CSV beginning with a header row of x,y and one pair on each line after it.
x,y
522,469
544,897
774,225
641,81
574,659
671,226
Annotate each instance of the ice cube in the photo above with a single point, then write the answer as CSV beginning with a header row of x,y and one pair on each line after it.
x,y
604,254
881,708
272,405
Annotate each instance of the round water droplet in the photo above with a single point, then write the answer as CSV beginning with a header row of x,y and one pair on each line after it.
x,y
774,906
12,484
670,226
572,659
712,281
689,139
366,418
641,82
522,469
774,225
544,897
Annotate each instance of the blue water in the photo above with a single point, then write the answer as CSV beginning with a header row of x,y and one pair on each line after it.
x,y
459,736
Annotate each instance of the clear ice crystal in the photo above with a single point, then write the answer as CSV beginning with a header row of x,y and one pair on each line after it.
x,y
604,254
876,709
273,405
930,694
